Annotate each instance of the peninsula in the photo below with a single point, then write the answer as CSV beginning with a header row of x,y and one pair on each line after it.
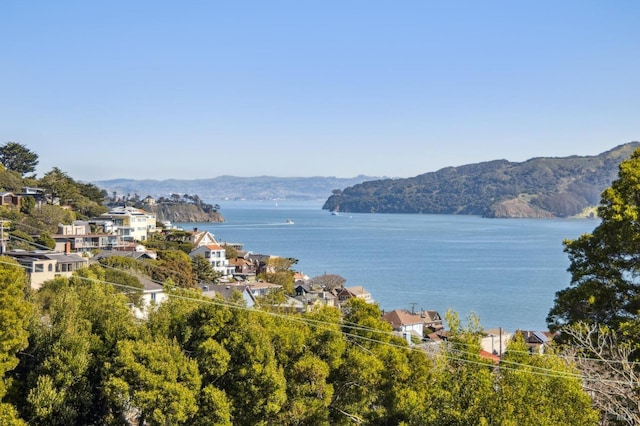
x,y
541,187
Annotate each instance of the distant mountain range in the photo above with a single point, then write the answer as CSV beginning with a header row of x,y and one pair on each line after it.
x,y
539,187
234,188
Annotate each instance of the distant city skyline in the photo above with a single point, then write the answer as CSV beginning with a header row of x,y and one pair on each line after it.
x,y
166,90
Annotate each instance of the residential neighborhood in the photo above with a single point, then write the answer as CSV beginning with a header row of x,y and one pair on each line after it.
x,y
122,231
114,316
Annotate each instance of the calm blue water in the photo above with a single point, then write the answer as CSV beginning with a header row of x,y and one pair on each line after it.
x,y
505,270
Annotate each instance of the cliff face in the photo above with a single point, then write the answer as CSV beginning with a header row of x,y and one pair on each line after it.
x,y
517,208
183,212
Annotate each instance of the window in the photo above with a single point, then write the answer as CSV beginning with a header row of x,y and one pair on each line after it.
x,y
38,267
50,267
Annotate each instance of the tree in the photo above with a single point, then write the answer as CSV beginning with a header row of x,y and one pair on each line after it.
x,y
605,265
10,180
174,265
203,270
20,240
46,241
546,387
27,205
153,382
230,252
59,185
73,334
329,281
606,359
279,272
19,158
15,312
463,381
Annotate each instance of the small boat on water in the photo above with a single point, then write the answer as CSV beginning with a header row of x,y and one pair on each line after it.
x,y
289,222
334,213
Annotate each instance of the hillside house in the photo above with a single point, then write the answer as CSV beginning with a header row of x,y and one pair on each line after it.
x,y
432,320
78,237
130,223
216,255
9,199
359,292
495,341
229,291
261,288
38,195
405,322
203,238
152,295
536,340
44,265
243,269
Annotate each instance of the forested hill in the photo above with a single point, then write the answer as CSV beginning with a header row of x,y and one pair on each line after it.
x,y
539,187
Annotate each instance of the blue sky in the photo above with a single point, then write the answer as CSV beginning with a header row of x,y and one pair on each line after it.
x,y
198,89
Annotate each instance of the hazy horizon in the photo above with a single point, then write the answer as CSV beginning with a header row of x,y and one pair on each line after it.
x,y
157,90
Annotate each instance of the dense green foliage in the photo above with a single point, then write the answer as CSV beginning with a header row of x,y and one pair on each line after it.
x,y
605,263
540,187
205,362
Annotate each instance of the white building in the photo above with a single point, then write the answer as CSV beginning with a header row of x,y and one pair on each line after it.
x,y
495,341
130,223
217,257
152,295
44,265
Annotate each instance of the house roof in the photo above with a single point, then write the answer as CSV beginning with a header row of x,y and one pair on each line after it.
x,y
45,254
537,337
431,316
123,253
399,317
149,286
262,284
239,262
355,291
489,356
226,290
304,286
300,276
198,236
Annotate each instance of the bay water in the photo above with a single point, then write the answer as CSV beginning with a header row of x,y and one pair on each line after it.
x,y
506,271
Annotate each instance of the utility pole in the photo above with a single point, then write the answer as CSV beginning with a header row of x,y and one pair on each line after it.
x,y
3,244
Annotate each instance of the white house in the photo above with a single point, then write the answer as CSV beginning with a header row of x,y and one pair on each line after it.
x,y
152,295
130,223
217,257
405,322
495,341
203,238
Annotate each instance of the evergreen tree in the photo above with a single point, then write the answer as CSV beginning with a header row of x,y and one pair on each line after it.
x,y
15,311
18,158
605,263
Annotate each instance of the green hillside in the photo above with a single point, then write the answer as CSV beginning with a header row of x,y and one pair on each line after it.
x,y
539,187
